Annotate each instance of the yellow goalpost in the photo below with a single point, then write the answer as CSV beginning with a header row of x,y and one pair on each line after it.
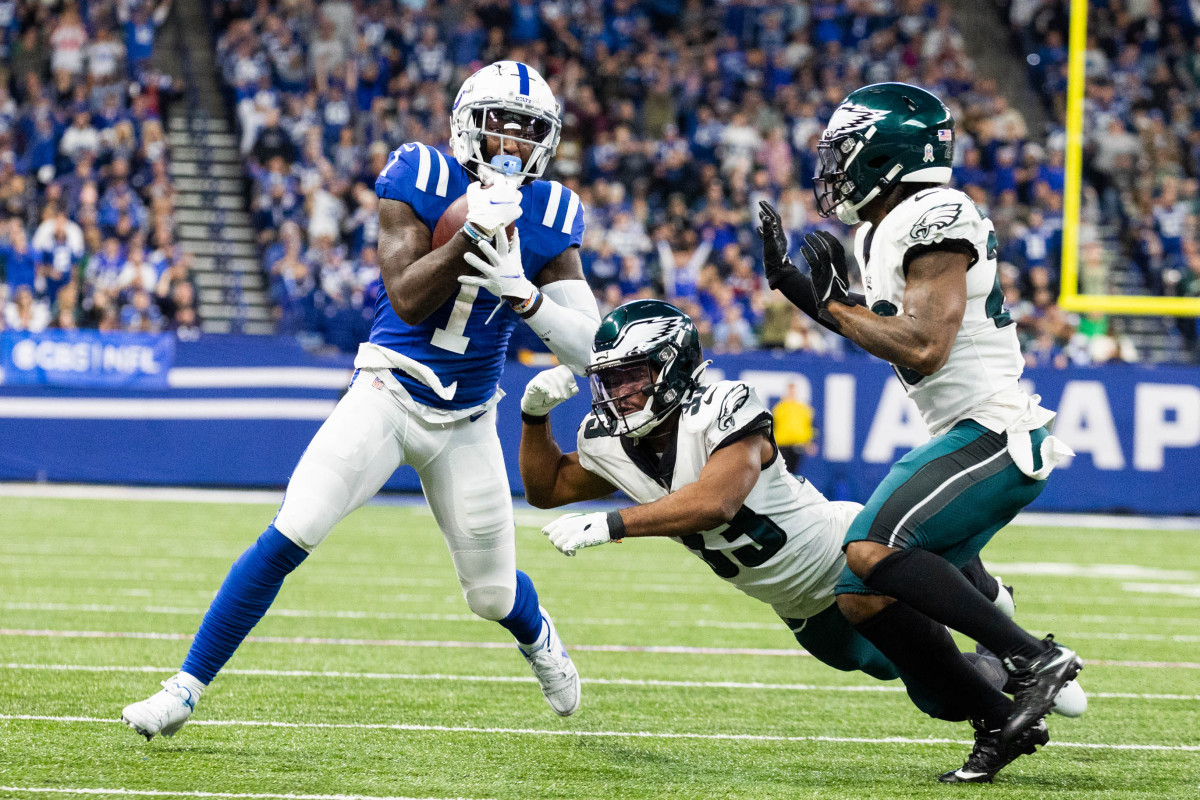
x,y
1070,298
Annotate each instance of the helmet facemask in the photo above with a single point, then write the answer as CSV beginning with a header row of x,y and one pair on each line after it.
x,y
502,122
616,391
616,386
834,188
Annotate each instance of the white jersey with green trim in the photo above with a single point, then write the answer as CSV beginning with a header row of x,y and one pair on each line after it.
x,y
784,547
980,379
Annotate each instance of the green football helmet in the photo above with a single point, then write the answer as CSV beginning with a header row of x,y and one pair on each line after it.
x,y
881,134
643,349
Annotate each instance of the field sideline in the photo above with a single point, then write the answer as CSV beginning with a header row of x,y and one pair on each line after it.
x,y
371,679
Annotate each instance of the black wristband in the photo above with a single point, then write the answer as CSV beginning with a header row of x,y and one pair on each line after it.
x,y
533,419
533,309
616,526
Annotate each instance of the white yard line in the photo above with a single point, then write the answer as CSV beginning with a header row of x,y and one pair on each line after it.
x,y
1134,637
1182,589
1061,569
1114,521
107,608
165,494
192,495
122,792
453,678
719,737
587,648
344,642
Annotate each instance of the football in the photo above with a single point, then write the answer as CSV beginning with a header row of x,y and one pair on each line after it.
x,y
452,220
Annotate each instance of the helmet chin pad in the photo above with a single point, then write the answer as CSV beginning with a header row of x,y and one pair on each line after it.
x,y
640,423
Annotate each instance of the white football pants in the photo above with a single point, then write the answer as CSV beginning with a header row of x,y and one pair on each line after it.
x,y
369,434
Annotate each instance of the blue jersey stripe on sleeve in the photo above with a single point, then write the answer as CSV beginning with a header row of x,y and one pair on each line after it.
x,y
443,174
551,214
572,210
423,168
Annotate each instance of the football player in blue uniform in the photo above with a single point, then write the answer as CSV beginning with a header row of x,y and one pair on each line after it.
x,y
425,388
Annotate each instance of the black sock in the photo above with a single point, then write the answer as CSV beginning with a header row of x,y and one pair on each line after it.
x,y
935,587
923,650
981,579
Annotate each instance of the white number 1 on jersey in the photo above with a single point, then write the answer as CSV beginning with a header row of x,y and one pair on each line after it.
x,y
451,337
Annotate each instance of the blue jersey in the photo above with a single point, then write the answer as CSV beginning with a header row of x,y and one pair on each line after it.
x,y
454,340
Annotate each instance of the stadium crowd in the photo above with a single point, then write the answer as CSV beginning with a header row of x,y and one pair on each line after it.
x,y
86,198
678,117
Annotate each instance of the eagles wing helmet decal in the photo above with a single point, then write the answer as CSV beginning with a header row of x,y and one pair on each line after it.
x,y
648,332
934,220
730,405
852,117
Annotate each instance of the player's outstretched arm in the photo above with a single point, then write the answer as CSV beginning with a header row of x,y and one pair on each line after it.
x,y
920,338
418,279
724,483
552,479
723,486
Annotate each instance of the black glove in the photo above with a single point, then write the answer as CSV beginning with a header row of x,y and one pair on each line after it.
x,y
779,267
827,264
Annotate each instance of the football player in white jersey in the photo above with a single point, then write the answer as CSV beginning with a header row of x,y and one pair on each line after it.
x,y
702,463
934,309
426,385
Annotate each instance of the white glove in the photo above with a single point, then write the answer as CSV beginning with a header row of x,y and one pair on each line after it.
x,y
494,207
574,531
502,274
547,389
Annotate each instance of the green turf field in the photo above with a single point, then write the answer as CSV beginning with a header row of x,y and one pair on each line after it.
x,y
369,706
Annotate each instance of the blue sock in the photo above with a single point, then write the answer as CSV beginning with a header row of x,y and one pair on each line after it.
x,y
525,620
247,593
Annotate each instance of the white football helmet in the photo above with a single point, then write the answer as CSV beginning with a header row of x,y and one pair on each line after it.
x,y
505,96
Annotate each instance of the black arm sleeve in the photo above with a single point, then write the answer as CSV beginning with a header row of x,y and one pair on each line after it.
x,y
798,289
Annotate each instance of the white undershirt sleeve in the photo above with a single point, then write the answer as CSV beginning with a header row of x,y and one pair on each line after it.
x,y
567,321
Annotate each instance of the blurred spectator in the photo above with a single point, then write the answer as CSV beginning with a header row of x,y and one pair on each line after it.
x,y
794,433
23,312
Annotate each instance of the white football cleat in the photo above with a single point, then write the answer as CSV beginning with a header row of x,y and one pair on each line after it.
x,y
164,712
554,669
1004,600
1071,700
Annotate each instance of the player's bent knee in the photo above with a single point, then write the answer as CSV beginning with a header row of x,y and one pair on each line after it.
x,y
490,602
296,534
861,556
857,608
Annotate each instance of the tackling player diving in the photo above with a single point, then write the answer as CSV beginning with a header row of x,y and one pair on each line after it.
x,y
425,387
701,461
